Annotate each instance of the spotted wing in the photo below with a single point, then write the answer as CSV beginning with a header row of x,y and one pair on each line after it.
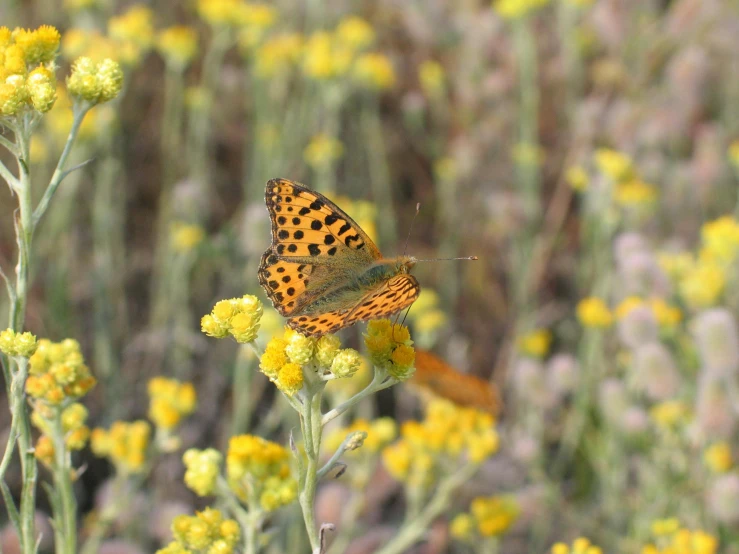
x,y
308,227
392,296
316,325
284,282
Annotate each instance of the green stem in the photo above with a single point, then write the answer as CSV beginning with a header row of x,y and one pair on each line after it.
x,y
66,520
380,381
312,429
412,531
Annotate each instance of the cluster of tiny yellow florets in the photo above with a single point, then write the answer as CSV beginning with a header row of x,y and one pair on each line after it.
x,y
488,517
75,432
390,348
124,444
178,45
286,358
376,435
17,344
207,532
671,538
95,82
57,371
170,401
447,436
580,545
238,317
259,470
27,78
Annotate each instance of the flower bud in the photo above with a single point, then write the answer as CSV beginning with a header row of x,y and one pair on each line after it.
x,y
300,349
716,335
655,372
714,411
346,363
326,349
638,327
41,84
290,378
723,499
563,373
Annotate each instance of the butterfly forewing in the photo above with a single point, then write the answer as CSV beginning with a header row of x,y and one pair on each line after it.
x,y
284,282
306,224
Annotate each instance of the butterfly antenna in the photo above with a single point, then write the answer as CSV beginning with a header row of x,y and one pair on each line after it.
x,y
449,259
395,323
405,248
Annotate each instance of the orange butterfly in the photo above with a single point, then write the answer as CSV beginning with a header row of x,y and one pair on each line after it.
x,y
322,271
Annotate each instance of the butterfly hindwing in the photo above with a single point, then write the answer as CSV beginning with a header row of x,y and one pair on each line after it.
x,y
306,224
392,296
316,325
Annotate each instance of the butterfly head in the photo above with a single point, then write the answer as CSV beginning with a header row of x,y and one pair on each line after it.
x,y
405,264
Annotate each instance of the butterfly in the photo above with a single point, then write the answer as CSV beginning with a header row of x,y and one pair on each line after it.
x,y
322,271
435,376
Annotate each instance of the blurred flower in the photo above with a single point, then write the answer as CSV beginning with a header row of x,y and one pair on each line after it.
x,y
125,445
722,498
202,470
134,31
672,539
255,19
617,166
670,414
655,372
390,347
718,458
593,312
374,71
170,401
57,372
432,78
278,54
580,545
637,325
326,58
718,341
221,12
206,531
186,237
715,414
527,154
634,193
178,45
577,178
17,344
720,239
702,284
733,153
259,470
238,317
515,9
563,373
378,434
355,32
493,516
323,151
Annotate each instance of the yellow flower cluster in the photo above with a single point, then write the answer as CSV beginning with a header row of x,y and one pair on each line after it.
x,y
665,314
378,434
95,82
580,545
593,312
125,445
432,78
178,45
488,517
170,401
426,315
259,470
236,14
447,435
671,538
390,348
323,151
535,343
17,344
238,317
27,78
718,457
516,9
57,371
75,432
630,190
133,30
720,240
278,54
577,178
202,470
207,532
287,357
670,414
374,71
186,237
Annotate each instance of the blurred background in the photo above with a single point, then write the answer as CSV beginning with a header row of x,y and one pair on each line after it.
x,y
587,151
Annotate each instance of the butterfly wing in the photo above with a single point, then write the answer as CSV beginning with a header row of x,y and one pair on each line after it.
x,y
388,298
313,241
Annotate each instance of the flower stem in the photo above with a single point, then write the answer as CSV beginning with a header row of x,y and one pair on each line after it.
x,y
379,382
66,520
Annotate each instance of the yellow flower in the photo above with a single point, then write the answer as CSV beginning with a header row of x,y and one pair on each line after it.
x,y
593,312
670,413
325,57
702,284
278,54
577,178
461,527
206,531
355,33
580,545
274,357
535,343
202,470
374,71
666,315
721,239
170,401
238,317
494,515
323,151
60,371
95,82
515,9
17,344
718,457
432,78
44,450
290,378
676,540
39,46
615,165
664,527
634,193
186,237
125,445
178,45
135,26
390,347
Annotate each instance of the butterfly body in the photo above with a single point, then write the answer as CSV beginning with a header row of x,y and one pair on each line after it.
x,y
322,271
